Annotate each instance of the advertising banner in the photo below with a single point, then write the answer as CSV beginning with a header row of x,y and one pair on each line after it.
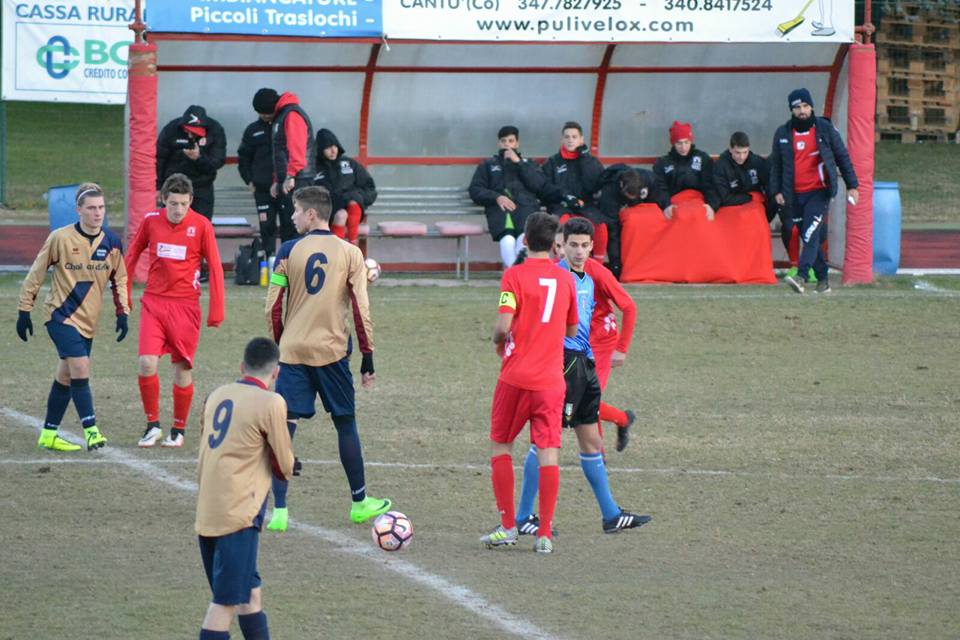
x,y
67,52
621,20
310,18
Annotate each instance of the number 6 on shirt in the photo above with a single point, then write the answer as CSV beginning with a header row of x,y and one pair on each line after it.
x,y
551,285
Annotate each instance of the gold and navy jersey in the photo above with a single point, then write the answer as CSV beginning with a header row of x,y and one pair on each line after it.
x,y
244,441
82,267
324,280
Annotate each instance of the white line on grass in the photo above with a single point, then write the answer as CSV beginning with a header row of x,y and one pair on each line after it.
x,y
663,471
457,594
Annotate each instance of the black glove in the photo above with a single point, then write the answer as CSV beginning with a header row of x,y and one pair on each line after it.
x,y
121,327
366,365
297,466
572,202
24,324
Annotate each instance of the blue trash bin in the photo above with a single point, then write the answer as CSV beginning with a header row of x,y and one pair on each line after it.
x,y
886,228
61,206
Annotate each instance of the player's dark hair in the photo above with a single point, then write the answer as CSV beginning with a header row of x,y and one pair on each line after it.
x,y
572,124
632,184
577,227
176,183
540,230
739,139
316,198
508,130
87,190
260,355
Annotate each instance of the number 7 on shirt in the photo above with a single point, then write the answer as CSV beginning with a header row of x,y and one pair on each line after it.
x,y
551,285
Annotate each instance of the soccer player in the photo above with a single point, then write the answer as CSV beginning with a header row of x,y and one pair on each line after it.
x,y
177,238
537,309
84,256
243,443
582,401
319,281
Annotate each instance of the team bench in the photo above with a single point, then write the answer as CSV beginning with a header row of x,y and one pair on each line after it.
x,y
397,213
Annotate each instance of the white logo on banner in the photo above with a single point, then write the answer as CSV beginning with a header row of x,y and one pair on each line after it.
x,y
67,52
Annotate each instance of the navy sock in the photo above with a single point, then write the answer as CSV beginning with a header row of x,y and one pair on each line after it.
x,y
206,634
83,401
280,486
351,455
529,485
596,473
254,626
57,403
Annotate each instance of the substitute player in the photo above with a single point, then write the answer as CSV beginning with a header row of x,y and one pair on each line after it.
x,y
582,402
177,238
84,257
243,443
537,309
318,281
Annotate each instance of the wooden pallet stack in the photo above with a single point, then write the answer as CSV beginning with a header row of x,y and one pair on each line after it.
x,y
918,72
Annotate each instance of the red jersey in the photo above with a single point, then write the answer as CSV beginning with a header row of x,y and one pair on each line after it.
x,y
544,303
175,252
807,165
603,325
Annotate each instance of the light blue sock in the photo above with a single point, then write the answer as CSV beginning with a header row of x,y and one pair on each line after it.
x,y
529,485
596,473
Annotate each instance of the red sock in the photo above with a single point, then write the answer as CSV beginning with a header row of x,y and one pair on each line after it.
x,y
549,488
150,396
502,475
182,397
339,230
612,414
793,251
600,241
354,214
565,217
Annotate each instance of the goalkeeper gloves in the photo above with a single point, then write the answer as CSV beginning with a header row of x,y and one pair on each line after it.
x,y
24,324
121,327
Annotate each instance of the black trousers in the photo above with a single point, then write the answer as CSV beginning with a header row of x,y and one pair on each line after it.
x,y
203,201
267,212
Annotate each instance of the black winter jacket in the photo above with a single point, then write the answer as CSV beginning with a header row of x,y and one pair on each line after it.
x,y
578,178
255,155
693,171
345,178
734,182
521,181
833,153
612,200
173,139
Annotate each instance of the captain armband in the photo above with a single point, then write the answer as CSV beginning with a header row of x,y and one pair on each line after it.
x,y
278,279
507,299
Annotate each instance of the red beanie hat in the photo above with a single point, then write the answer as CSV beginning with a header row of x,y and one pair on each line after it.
x,y
681,131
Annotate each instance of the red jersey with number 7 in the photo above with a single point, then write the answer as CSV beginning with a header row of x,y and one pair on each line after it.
x,y
541,297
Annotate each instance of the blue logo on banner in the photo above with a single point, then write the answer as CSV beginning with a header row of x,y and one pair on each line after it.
x,y
57,57
310,18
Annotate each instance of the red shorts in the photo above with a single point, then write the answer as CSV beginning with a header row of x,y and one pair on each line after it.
x,y
169,326
513,407
603,357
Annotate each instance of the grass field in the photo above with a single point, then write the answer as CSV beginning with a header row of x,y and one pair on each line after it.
x,y
799,455
45,137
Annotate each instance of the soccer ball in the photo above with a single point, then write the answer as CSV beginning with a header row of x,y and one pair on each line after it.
x,y
392,531
373,270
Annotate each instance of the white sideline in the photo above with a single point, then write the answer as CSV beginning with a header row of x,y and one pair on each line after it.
x,y
661,471
457,594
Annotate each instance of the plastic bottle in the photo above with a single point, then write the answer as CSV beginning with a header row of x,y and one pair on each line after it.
x,y
264,271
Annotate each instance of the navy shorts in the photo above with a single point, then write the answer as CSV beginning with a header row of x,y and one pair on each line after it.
x,y
230,563
299,385
69,342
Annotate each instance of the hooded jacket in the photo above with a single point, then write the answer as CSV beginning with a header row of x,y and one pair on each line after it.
x,y
520,181
255,154
692,171
292,141
734,182
345,178
833,153
174,138
578,177
612,200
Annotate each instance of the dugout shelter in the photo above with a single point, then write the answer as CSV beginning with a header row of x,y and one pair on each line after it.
x,y
424,112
